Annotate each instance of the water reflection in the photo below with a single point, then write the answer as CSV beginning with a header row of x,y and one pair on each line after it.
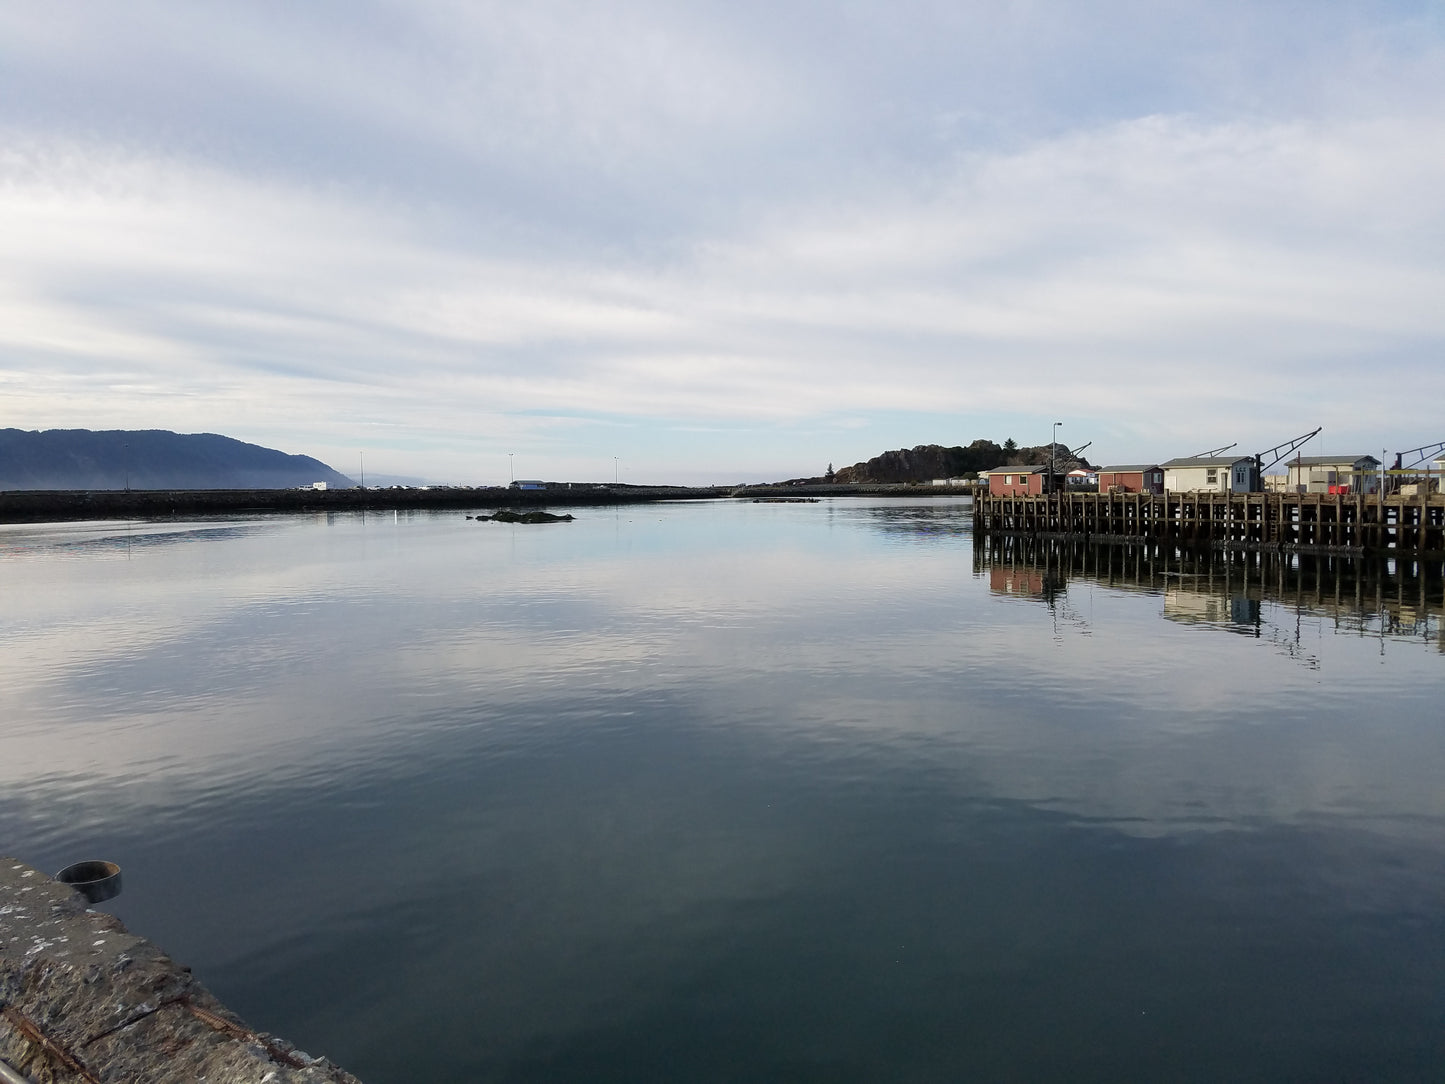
x,y
948,518
86,539
730,792
1231,591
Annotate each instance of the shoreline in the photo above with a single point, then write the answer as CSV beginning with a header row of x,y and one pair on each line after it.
x,y
42,506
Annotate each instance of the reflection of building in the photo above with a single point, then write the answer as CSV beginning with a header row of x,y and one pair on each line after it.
x,y
1334,474
1234,611
1132,478
1044,584
1010,580
1211,474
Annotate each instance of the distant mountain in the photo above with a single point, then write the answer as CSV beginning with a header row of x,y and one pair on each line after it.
x,y
150,459
929,461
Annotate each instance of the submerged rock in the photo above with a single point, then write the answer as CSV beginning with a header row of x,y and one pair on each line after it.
x,y
506,515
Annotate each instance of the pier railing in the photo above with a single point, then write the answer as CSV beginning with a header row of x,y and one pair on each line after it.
x,y
1318,522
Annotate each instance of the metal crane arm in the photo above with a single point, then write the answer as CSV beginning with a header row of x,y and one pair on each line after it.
x,y
1288,446
1213,452
1429,450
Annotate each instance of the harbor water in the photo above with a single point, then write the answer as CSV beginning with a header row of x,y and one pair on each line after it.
x,y
721,791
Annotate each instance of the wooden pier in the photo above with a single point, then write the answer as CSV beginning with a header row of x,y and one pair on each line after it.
x,y
1304,522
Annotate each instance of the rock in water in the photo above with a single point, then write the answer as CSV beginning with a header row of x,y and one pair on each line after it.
x,y
506,515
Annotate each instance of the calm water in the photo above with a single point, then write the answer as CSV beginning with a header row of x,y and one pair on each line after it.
x,y
728,792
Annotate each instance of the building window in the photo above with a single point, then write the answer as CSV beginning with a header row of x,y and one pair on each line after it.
x,y
1211,476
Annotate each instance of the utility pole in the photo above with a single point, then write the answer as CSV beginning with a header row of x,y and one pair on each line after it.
x,y
1053,442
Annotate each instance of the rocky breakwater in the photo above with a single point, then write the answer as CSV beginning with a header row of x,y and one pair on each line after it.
x,y
84,1000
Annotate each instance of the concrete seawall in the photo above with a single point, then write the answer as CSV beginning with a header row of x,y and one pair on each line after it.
x,y
84,1000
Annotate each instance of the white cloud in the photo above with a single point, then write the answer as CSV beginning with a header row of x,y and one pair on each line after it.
x,y
450,224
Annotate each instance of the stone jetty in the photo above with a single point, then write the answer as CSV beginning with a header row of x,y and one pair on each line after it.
x,y
84,1001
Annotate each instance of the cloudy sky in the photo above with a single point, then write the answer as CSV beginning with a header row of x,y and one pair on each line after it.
x,y
695,241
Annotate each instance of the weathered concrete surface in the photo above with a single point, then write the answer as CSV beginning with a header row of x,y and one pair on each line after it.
x,y
84,1000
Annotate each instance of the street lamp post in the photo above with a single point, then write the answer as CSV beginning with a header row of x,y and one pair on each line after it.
x,y
1053,443
510,469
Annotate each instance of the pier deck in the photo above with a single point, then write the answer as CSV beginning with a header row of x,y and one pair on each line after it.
x,y
1311,522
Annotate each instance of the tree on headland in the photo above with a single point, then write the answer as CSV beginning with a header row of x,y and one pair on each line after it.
x,y
928,461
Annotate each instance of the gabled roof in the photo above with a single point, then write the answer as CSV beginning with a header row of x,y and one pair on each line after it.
x,y
1329,460
1018,468
1129,468
1208,461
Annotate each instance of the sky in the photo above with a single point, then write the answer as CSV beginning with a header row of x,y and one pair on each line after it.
x,y
702,242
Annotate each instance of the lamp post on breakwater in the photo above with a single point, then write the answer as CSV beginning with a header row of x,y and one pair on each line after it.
x,y
1053,442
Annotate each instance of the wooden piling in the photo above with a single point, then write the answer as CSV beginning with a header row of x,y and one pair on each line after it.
x,y
1298,522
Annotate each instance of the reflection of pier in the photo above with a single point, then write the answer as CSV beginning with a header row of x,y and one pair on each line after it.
x,y
1222,588
1317,522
